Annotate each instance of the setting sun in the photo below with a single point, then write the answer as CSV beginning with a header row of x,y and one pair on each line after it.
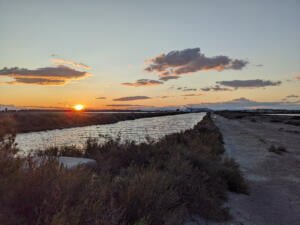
x,y
78,107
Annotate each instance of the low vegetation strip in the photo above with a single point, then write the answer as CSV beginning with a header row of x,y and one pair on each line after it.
x,y
39,121
154,183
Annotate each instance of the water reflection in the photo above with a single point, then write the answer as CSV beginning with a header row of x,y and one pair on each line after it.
x,y
137,130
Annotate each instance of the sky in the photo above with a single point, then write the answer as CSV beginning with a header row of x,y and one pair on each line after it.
x,y
139,54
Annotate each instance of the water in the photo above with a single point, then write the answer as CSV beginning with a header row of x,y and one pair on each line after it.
x,y
135,130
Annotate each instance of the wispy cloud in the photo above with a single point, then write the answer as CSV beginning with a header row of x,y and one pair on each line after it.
x,y
143,82
42,76
191,95
183,88
166,78
68,62
180,62
189,89
216,88
292,96
101,98
165,96
124,105
132,98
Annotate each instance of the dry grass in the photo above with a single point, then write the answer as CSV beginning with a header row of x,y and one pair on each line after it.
x,y
134,184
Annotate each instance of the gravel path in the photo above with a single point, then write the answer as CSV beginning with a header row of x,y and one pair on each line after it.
x,y
274,180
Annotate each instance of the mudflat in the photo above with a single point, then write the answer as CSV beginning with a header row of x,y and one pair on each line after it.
x,y
274,179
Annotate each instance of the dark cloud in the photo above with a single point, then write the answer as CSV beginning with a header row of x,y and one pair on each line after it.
x,y
166,78
131,98
42,76
249,83
216,88
143,82
176,63
259,65
101,98
235,84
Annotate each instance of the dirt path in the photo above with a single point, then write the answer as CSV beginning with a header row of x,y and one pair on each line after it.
x,y
274,180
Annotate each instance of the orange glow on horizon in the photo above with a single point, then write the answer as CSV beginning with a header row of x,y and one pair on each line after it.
x,y
78,107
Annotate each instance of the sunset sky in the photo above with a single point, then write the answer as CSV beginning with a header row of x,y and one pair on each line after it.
x,y
138,53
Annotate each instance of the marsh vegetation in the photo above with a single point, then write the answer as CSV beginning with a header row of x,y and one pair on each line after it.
x,y
151,183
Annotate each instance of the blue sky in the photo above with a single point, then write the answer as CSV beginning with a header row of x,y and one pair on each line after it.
x,y
115,38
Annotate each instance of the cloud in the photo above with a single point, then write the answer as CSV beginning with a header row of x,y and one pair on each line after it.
x,y
165,96
244,103
236,84
298,78
42,76
249,83
143,82
132,98
191,95
292,96
184,88
216,88
166,78
60,61
124,105
259,65
180,62
99,98
189,89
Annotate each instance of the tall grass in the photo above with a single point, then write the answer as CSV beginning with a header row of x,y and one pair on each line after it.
x,y
151,183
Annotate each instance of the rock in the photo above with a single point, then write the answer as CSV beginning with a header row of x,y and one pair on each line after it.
x,y
71,162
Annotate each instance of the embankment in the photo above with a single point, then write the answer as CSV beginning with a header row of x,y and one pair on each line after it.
x,y
155,183
273,176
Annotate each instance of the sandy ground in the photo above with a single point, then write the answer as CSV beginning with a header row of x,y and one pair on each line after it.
x,y
274,180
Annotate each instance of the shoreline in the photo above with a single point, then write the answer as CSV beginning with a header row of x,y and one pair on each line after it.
x,y
25,122
164,182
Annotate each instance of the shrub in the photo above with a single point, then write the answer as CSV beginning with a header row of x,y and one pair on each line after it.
x,y
277,150
155,183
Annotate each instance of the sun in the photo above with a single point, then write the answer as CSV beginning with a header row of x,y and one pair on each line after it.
x,y
78,107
